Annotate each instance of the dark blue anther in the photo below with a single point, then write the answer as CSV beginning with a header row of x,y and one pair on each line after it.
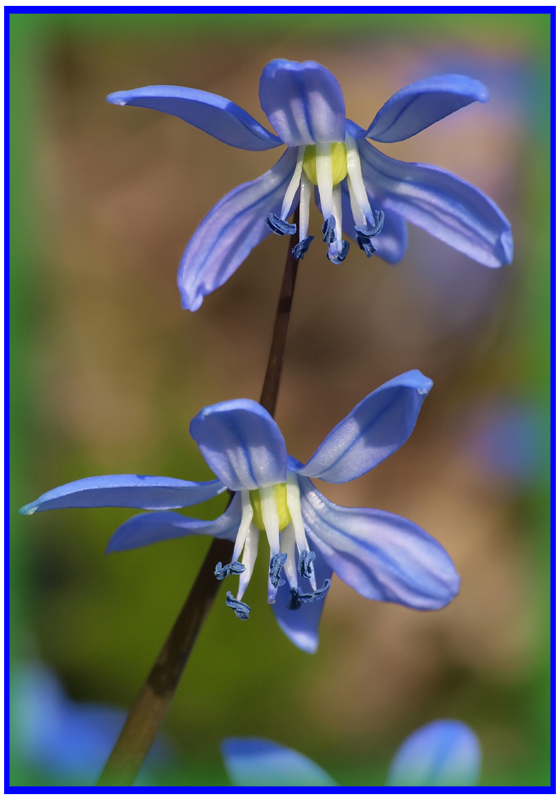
x,y
279,226
365,243
364,234
298,598
302,247
328,229
235,568
338,257
276,564
306,558
242,610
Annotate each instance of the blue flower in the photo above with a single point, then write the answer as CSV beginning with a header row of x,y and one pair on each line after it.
x,y
443,753
68,740
359,189
382,556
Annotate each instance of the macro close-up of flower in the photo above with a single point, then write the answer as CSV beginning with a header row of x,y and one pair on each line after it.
x,y
360,190
211,631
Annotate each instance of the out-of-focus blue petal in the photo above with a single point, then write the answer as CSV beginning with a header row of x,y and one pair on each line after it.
x,y
63,738
444,205
372,431
301,625
144,529
211,113
226,236
380,555
421,104
303,102
259,762
126,491
443,753
391,243
241,443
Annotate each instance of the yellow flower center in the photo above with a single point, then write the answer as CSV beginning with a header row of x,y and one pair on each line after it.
x,y
281,504
339,168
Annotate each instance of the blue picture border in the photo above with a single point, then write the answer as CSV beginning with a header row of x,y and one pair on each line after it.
x,y
8,11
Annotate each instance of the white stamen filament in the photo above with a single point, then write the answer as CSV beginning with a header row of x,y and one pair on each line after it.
x,y
360,220
337,211
293,501
293,185
304,199
356,181
325,178
249,557
288,545
246,519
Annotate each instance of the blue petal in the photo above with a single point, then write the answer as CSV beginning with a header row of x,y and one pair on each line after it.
x,y
391,243
146,529
211,113
241,443
372,431
443,753
126,491
301,625
444,205
259,762
421,104
381,556
303,102
226,236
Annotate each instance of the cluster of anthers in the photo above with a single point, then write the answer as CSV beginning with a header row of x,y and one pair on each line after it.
x,y
275,510
326,166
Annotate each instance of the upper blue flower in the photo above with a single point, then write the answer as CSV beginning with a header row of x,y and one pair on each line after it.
x,y
382,556
360,190
445,752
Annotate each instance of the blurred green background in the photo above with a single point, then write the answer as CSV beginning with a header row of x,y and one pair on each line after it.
x,y
107,372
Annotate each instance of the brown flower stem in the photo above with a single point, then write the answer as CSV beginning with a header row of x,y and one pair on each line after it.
x,y
150,707
271,385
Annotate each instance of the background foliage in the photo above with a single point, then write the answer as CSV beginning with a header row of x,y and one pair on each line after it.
x,y
107,371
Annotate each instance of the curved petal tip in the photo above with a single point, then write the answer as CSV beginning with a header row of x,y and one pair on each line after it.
x,y
27,510
117,98
506,240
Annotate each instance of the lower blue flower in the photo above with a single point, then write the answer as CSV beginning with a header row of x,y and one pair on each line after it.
x,y
382,556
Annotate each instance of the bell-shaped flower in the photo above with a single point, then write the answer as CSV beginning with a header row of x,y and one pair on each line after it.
x,y
359,190
445,752
380,555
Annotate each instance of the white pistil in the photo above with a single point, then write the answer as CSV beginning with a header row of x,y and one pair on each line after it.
x,y
304,199
293,185
288,545
325,178
293,500
356,182
249,556
270,518
246,519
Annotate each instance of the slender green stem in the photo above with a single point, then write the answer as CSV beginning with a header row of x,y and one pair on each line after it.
x,y
150,707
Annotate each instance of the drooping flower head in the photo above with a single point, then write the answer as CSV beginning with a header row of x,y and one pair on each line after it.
x,y
359,190
382,556
444,752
